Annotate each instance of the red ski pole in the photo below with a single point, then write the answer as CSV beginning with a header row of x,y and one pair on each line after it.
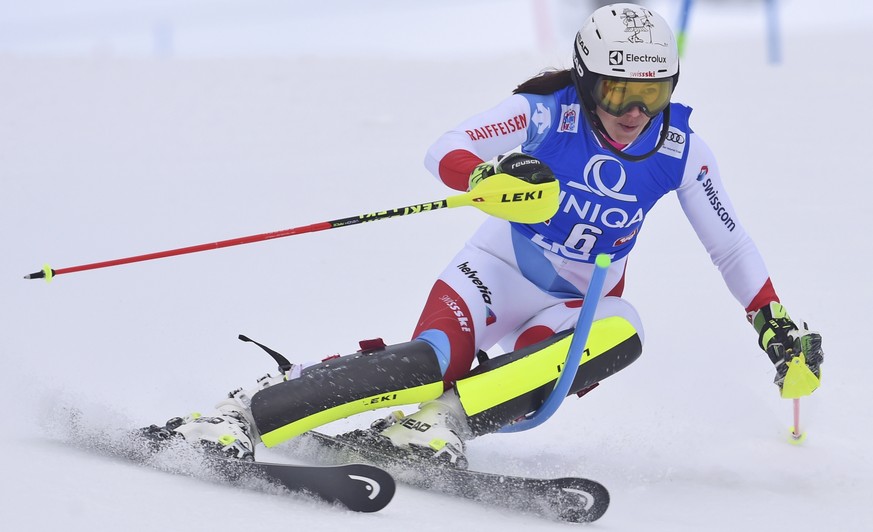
x,y
500,195
48,272
797,435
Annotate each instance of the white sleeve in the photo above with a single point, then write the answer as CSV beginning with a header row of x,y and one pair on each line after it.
x,y
486,135
709,209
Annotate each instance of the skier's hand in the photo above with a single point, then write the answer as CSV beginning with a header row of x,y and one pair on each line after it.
x,y
783,340
518,165
479,174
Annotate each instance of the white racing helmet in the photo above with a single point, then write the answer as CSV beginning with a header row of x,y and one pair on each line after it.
x,y
625,56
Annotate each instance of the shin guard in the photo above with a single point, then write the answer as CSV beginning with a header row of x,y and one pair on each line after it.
x,y
337,388
513,385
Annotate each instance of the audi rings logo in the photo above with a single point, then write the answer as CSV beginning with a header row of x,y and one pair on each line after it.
x,y
678,138
594,179
616,57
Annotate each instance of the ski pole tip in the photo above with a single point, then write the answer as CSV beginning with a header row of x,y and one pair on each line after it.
x,y
46,273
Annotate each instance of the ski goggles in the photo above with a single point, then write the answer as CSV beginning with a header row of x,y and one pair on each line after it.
x,y
617,96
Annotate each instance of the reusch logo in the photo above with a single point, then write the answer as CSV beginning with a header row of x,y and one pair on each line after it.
x,y
523,162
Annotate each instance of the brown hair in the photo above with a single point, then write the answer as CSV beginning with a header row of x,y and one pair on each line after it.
x,y
546,82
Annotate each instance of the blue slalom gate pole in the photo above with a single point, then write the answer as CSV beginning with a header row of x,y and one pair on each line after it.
x,y
682,34
574,353
773,37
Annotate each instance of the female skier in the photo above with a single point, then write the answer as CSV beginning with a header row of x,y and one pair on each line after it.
x,y
607,131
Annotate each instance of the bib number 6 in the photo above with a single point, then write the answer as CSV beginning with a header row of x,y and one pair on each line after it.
x,y
582,239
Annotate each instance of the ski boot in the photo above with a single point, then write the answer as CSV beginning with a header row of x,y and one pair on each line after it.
x,y
435,433
230,432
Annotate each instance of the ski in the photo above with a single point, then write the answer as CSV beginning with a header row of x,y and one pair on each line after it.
x,y
569,499
358,487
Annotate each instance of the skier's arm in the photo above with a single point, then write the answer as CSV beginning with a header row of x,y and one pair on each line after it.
x,y
455,154
709,209
712,215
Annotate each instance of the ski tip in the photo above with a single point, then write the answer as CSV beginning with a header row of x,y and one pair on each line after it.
x,y
373,487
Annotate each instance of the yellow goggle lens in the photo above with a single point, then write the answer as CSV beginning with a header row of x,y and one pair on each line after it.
x,y
618,96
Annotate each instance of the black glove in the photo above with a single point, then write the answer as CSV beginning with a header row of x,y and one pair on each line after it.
x,y
783,340
518,165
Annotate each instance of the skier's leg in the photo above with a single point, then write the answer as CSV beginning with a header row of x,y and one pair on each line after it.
x,y
510,386
341,387
477,299
481,297
539,295
506,388
282,407
447,337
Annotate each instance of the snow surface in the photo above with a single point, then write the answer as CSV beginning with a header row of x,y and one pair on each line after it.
x,y
108,151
